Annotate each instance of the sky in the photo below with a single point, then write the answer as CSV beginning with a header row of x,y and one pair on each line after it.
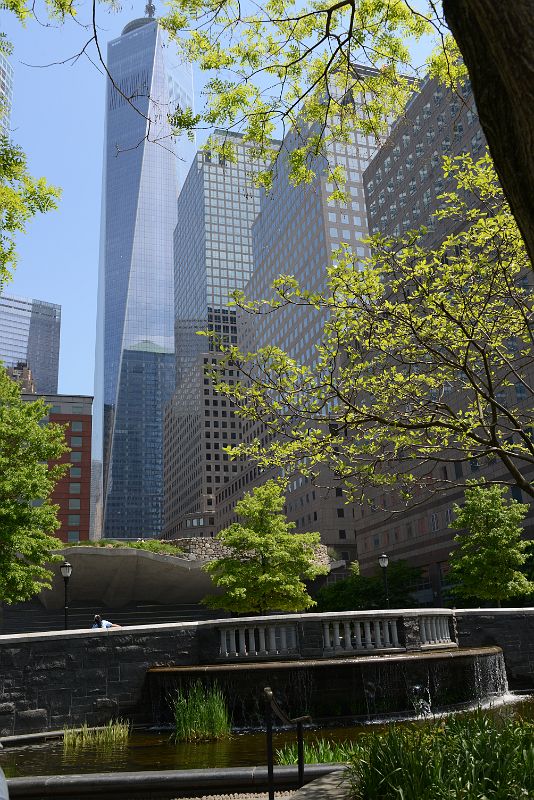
x,y
58,119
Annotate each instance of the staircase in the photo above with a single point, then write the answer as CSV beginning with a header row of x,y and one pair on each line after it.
x,y
32,617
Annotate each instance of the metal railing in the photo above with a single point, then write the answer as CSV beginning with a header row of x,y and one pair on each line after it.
x,y
272,708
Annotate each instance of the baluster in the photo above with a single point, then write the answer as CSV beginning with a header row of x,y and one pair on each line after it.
x,y
234,648
378,638
252,642
326,636
347,637
283,639
385,631
358,634
367,634
242,643
394,633
223,649
445,629
422,630
272,639
261,636
337,643
292,637
433,630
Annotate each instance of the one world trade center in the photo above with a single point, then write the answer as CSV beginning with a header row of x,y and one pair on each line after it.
x,y
134,375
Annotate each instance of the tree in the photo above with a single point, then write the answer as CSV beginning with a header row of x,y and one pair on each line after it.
x,y
487,562
282,64
267,563
361,592
27,517
423,361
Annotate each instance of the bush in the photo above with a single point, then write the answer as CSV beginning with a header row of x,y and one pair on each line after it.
x,y
113,733
151,545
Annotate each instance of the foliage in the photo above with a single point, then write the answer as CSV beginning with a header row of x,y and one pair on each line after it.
x,y
267,563
360,592
201,714
116,732
151,545
27,517
21,198
320,751
490,554
472,758
423,359
282,65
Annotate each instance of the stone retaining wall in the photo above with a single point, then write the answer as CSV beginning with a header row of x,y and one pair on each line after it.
x,y
509,628
207,548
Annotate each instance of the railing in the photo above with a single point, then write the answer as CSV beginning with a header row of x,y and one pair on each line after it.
x,y
434,630
267,640
349,635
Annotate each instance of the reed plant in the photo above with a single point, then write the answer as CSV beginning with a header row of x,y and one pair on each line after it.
x,y
201,715
477,757
113,734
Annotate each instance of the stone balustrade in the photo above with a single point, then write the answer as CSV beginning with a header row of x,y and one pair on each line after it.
x,y
326,635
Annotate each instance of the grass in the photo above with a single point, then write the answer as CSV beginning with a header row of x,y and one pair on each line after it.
x,y
151,545
201,715
113,733
462,758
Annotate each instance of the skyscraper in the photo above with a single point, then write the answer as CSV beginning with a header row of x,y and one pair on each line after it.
x,y
213,257
135,343
29,334
6,93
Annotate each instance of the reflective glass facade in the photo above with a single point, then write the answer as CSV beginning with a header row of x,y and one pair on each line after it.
x,y
135,340
6,93
29,334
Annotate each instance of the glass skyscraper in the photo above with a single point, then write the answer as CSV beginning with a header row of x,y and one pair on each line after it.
x,y
29,334
135,342
6,93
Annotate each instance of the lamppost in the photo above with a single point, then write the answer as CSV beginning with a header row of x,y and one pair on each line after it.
x,y
66,571
383,560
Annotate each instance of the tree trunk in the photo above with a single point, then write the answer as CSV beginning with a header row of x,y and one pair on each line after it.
x,y
496,38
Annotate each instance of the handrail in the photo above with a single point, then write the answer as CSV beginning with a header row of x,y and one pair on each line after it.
x,y
272,707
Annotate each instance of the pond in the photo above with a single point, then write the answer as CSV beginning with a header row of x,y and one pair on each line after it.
x,y
155,750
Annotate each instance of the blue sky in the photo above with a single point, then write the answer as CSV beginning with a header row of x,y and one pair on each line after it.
x,y
58,119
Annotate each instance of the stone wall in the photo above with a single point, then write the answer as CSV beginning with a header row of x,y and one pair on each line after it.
x,y
509,628
207,548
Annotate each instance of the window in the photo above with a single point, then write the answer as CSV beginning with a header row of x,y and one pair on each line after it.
x,y
516,493
73,519
73,536
74,488
74,504
520,392
434,523
339,491
342,534
75,472
340,512
75,441
76,426
75,457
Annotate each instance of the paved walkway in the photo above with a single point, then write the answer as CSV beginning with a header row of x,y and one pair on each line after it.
x,y
329,787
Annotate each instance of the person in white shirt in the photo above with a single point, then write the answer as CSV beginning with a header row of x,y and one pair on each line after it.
x,y
102,623
4,794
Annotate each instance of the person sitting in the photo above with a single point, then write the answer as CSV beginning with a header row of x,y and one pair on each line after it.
x,y
103,623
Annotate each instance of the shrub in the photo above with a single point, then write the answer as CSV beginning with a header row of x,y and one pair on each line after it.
x,y
200,715
113,733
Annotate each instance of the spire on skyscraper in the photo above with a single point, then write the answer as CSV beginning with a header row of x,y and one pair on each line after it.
x,y
150,9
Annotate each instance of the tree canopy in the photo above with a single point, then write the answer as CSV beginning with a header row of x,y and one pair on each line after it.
x,y
267,562
490,554
360,592
27,517
423,360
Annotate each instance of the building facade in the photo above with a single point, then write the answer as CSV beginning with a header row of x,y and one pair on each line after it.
x,y
6,93
73,491
297,231
135,367
213,256
402,185
29,335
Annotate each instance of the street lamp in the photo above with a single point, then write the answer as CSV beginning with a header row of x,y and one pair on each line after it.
x,y
383,560
66,571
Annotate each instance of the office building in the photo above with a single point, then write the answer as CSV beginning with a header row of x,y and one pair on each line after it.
x,y
73,491
213,257
22,374
135,369
403,184
296,232
6,93
29,334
